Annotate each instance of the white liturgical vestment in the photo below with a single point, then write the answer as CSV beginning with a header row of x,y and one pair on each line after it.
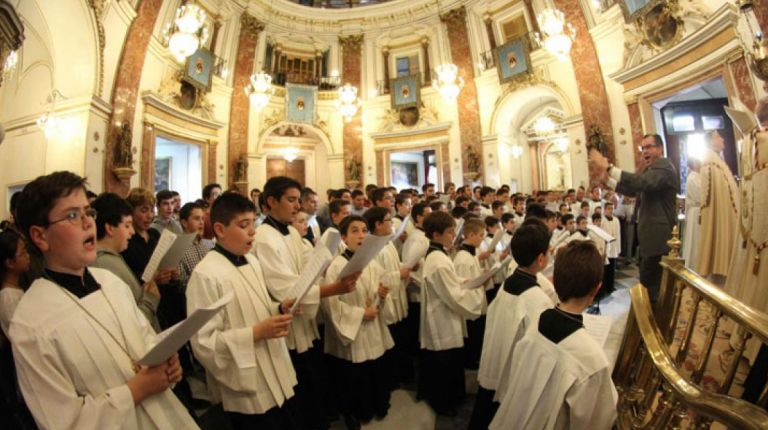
x,y
397,300
73,372
250,377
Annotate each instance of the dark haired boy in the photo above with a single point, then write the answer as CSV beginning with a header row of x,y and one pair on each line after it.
x,y
280,251
77,332
338,210
210,193
242,348
356,333
579,393
165,201
516,306
191,217
114,227
446,306
403,208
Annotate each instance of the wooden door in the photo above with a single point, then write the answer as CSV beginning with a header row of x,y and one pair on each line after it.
x,y
280,167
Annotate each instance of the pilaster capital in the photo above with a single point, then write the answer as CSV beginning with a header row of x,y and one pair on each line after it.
x,y
250,26
455,16
351,43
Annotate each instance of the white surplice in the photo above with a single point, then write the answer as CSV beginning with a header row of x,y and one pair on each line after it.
x,y
73,373
445,304
546,285
509,316
468,266
281,259
558,386
9,300
250,377
692,211
397,302
416,238
347,335
613,227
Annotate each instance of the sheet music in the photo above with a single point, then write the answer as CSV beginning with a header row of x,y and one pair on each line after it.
x,y
496,239
415,252
401,229
332,242
368,250
316,264
602,234
175,337
742,120
481,280
167,238
598,326
459,232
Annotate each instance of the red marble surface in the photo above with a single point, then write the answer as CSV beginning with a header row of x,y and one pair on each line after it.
x,y
237,142
351,73
741,79
636,132
594,99
127,79
469,112
761,13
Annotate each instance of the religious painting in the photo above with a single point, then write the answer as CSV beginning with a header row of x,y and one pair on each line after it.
x,y
163,173
300,103
199,70
513,60
405,92
404,174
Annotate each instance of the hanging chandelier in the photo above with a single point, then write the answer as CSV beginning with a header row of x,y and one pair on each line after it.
x,y
348,102
544,126
188,31
517,150
290,154
448,82
52,126
556,35
10,62
259,90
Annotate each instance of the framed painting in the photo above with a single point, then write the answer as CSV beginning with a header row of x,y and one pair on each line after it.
x,y
633,9
163,167
198,71
300,102
405,92
404,174
513,60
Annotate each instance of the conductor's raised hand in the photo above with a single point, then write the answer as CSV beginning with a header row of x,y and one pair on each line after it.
x,y
272,327
598,164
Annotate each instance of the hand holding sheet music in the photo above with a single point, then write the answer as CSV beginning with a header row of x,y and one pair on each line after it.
x,y
481,280
602,234
175,337
496,239
401,229
319,260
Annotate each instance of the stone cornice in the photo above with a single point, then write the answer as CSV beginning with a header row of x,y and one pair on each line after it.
x,y
150,98
250,26
351,43
458,15
443,126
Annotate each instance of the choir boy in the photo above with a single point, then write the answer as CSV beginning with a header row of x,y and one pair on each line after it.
x,y
402,210
165,219
519,206
242,348
417,238
446,306
77,332
578,392
394,277
338,210
191,217
612,226
356,333
516,307
279,249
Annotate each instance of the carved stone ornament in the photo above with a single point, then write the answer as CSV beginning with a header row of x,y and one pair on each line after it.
x,y
354,170
122,155
458,15
188,98
241,170
473,163
250,26
351,43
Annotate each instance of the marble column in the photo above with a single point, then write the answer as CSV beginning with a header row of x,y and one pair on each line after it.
x,y
427,66
743,83
126,89
237,143
589,77
469,112
385,55
761,13
351,72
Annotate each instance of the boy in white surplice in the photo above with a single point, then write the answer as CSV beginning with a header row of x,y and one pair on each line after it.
x,y
77,332
242,348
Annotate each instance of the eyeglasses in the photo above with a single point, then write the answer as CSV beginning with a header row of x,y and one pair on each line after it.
x,y
77,216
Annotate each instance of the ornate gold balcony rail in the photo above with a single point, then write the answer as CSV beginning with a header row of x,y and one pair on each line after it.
x,y
656,388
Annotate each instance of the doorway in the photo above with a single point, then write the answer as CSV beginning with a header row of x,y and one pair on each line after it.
x,y
294,169
412,169
178,167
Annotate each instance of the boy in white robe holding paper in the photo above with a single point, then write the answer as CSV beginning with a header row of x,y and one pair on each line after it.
x,y
560,378
77,332
357,335
242,348
445,307
394,276
280,251
517,306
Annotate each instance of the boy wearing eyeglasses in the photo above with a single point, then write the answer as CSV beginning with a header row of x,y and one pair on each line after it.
x,y
77,333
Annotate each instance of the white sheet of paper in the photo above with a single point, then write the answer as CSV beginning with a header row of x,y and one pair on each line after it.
x,y
598,326
318,261
415,253
480,280
402,228
602,234
459,232
496,239
178,249
164,244
333,241
743,120
368,250
175,337
445,198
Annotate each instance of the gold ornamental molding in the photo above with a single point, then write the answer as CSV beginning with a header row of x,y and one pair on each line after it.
x,y
351,43
159,112
250,26
458,15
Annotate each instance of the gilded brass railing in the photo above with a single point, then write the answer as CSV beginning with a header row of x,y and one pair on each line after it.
x,y
655,389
